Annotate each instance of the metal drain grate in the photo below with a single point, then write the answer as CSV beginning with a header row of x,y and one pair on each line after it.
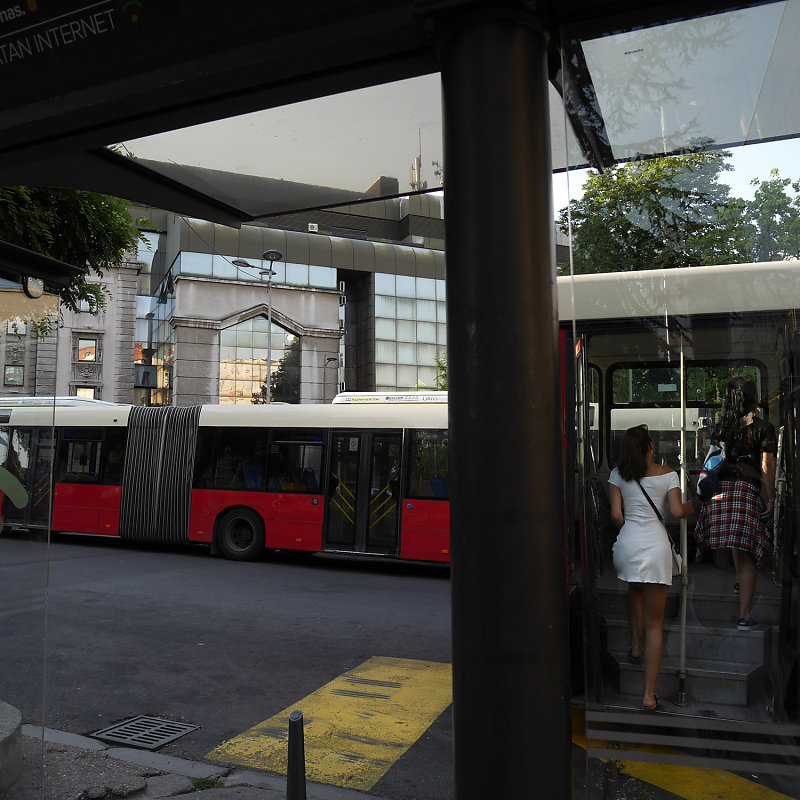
x,y
147,732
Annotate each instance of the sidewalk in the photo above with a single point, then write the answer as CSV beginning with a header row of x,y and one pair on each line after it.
x,y
80,768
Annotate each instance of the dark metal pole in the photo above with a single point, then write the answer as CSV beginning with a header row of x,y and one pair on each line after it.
x,y
509,583
296,767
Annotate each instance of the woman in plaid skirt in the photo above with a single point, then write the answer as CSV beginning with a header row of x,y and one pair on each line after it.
x,y
735,517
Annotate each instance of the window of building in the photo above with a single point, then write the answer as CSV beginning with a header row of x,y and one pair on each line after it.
x,y
244,350
14,376
17,327
89,392
87,349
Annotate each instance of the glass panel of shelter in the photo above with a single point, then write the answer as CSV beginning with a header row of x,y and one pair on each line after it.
x,y
665,343
25,483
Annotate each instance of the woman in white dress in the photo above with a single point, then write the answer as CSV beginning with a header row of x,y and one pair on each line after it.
x,y
642,555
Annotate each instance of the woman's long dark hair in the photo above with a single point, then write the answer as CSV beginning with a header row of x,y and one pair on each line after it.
x,y
740,397
633,453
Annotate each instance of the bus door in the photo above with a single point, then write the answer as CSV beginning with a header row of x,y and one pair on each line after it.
x,y
362,505
30,460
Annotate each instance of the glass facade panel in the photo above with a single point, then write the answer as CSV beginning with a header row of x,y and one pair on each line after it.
x,y
426,288
441,293
195,264
322,277
386,375
384,284
406,308
297,274
385,329
221,267
406,331
385,306
406,353
426,332
385,352
406,286
427,376
426,354
406,377
426,310
244,369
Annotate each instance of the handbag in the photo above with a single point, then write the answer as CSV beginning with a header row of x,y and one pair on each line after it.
x,y
677,560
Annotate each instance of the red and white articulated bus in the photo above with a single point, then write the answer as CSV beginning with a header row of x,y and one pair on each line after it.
x,y
352,477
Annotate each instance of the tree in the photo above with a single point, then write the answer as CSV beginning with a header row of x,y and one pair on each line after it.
x,y
441,368
85,229
659,213
285,379
773,219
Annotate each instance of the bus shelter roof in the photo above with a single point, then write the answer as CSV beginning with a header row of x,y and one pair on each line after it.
x,y
321,101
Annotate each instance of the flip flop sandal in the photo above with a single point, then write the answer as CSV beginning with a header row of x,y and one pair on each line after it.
x,y
655,706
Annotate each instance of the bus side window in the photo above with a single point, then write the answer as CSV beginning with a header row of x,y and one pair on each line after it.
x,y
79,455
204,457
113,456
428,468
295,461
240,459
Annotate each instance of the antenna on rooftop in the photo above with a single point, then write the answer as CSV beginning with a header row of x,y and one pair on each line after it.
x,y
415,172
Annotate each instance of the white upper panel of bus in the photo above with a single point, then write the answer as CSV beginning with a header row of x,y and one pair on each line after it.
x,y
699,290
383,415
389,415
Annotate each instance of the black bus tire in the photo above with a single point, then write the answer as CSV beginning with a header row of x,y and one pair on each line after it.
x,y
240,534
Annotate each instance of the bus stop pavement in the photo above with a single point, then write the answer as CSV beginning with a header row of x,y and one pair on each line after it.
x,y
81,768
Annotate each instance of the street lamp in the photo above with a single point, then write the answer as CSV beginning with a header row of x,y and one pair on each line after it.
x,y
271,256
325,377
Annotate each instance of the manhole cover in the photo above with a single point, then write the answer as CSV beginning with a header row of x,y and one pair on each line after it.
x,y
147,732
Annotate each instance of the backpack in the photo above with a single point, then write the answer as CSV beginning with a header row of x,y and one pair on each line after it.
x,y
710,473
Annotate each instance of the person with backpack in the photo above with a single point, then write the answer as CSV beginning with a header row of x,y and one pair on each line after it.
x,y
735,517
642,551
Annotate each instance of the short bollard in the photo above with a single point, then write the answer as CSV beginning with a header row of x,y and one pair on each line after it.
x,y
296,768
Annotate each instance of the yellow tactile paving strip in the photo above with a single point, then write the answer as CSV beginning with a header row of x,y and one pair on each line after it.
x,y
691,783
356,726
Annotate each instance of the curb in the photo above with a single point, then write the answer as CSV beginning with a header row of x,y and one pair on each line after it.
x,y
255,785
10,747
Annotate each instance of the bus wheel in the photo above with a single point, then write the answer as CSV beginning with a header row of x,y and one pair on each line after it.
x,y
240,535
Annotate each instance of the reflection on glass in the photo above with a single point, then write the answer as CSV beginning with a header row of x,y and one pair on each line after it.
x,y
243,366
664,344
87,349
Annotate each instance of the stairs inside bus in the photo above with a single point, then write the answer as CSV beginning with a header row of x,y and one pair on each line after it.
x,y
726,669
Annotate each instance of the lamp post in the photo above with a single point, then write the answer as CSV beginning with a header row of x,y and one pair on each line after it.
x,y
325,377
271,256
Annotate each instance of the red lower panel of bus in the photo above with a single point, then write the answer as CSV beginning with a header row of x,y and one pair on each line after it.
x,y
292,521
426,530
86,508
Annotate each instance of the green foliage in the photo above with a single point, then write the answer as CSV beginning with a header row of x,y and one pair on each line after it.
x,y
659,213
441,366
285,379
676,212
774,219
84,229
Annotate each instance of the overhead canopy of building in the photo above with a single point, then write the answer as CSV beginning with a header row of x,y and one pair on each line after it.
x,y
326,97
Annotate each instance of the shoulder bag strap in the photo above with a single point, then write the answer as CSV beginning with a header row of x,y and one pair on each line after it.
x,y
658,513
